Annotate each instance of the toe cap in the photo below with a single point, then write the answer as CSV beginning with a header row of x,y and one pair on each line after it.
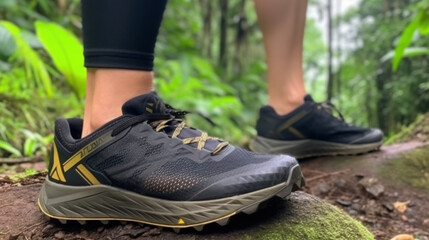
x,y
250,178
373,135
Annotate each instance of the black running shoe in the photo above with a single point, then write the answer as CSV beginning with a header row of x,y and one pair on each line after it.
x,y
147,166
312,130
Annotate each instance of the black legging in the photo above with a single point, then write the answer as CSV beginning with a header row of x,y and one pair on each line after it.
x,y
121,33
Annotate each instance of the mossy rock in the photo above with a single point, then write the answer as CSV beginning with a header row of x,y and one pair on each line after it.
x,y
419,129
301,217
304,216
409,167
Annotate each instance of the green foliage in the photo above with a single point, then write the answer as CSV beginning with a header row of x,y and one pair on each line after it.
x,y
36,71
9,148
404,42
34,142
184,84
66,52
7,43
369,92
420,23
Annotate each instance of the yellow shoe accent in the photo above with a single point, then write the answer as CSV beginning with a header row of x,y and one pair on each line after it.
x,y
57,170
87,175
181,222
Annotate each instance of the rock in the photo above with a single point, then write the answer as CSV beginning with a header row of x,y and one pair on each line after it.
x,y
372,186
356,207
84,233
344,203
321,188
59,235
388,206
341,184
352,212
304,216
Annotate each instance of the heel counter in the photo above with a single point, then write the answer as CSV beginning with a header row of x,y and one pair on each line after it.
x,y
56,171
266,123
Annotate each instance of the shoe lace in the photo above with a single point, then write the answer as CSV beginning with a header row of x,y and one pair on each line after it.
x,y
331,109
172,118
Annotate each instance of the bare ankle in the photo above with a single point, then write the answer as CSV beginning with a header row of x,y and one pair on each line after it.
x,y
285,108
113,88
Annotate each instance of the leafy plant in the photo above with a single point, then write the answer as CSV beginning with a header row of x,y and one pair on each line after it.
x,y
35,142
191,83
9,148
36,70
66,52
420,23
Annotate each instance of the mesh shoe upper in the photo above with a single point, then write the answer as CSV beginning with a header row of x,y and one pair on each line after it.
x,y
149,151
313,121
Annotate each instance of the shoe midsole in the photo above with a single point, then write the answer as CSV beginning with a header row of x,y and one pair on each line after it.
x,y
102,202
309,147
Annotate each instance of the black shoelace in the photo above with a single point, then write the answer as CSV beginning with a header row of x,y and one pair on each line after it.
x,y
331,109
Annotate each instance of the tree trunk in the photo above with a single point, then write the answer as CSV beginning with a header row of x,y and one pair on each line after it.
x,y
207,9
240,39
339,55
223,34
330,70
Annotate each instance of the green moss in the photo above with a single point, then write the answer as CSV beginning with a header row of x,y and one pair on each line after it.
x,y
332,225
410,167
28,172
419,126
313,219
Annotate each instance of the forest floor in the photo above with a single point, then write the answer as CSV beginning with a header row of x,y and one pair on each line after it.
x,y
367,187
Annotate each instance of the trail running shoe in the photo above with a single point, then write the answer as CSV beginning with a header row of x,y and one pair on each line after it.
x,y
147,166
312,130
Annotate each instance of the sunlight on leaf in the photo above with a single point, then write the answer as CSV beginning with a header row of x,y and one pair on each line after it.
x,y
35,68
66,52
404,42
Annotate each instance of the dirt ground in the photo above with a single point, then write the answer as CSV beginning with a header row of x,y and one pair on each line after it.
x,y
352,183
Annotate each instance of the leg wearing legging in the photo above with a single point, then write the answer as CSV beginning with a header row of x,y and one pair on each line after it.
x,y
282,23
119,42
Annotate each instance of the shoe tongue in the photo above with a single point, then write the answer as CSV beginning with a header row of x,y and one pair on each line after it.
x,y
151,103
308,98
144,104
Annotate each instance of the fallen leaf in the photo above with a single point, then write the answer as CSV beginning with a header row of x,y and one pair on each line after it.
x,y
401,206
403,237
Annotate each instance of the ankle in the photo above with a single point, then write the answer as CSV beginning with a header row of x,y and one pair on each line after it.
x,y
108,90
285,103
89,126
283,108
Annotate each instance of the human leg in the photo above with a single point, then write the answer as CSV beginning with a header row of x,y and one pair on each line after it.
x,y
119,66
282,24
146,165
293,123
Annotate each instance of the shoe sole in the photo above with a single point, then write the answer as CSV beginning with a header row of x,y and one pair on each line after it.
x,y
309,148
104,203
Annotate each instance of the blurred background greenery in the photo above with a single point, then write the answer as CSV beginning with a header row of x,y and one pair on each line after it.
x,y
210,59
